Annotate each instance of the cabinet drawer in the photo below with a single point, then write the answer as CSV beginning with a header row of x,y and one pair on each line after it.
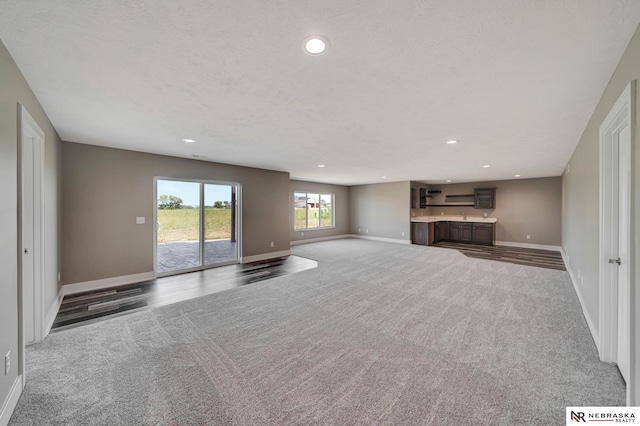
x,y
483,225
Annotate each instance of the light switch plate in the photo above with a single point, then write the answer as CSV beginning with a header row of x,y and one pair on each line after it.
x,y
140,220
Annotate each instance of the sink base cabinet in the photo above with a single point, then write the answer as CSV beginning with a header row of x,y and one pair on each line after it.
x,y
464,232
460,232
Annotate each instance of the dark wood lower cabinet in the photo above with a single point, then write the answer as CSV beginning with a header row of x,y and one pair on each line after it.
x,y
440,231
461,232
464,232
483,233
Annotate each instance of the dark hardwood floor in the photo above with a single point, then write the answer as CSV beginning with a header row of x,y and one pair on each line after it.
x,y
84,308
521,256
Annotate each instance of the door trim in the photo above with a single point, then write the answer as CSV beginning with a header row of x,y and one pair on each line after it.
x,y
620,116
28,126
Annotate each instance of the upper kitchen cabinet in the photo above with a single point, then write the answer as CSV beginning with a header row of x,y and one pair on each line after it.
x,y
484,198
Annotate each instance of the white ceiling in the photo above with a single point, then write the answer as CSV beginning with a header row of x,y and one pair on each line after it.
x,y
515,81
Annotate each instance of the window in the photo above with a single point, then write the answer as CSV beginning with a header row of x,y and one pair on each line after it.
x,y
312,210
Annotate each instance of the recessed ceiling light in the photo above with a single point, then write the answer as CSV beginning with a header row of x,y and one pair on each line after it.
x,y
188,140
452,142
383,177
448,180
486,166
517,175
315,45
321,165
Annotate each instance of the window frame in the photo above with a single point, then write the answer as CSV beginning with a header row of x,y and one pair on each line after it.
x,y
320,195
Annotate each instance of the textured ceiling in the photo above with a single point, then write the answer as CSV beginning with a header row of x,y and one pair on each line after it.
x,y
515,81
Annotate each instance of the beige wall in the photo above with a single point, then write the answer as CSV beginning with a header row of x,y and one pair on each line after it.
x,y
105,189
14,90
341,209
523,207
381,210
580,212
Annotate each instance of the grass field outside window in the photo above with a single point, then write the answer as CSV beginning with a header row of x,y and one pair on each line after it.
x,y
312,211
183,224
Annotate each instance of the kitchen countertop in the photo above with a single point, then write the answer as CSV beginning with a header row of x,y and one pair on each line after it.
x,y
459,218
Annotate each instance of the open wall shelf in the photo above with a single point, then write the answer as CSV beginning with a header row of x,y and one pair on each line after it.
x,y
460,196
451,205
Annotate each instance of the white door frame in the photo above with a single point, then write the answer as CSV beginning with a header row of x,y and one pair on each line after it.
x,y
29,129
621,115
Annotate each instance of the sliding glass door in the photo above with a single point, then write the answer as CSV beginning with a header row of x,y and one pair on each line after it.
x,y
196,225
219,224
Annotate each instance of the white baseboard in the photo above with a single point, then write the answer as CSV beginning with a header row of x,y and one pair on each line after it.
x,y
52,313
11,402
265,256
107,283
385,240
319,239
527,245
592,328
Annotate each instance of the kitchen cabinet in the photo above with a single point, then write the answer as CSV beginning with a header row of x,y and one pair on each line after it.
x,y
440,231
464,232
423,198
482,233
419,233
484,198
460,232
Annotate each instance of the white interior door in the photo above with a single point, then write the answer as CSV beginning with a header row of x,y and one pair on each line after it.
x,y
624,283
615,308
32,162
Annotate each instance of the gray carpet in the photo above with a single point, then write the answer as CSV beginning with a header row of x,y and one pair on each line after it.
x,y
377,334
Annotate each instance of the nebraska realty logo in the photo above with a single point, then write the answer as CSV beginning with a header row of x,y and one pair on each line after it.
x,y
602,414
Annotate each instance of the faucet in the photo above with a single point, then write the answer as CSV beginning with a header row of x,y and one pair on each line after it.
x,y
464,215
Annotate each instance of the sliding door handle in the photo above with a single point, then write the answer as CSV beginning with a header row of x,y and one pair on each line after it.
x,y
615,261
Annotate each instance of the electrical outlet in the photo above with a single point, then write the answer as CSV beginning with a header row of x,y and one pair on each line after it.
x,y
302,233
441,213
271,243
413,213
358,229
366,230
528,237
140,220
7,363
403,234
486,214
